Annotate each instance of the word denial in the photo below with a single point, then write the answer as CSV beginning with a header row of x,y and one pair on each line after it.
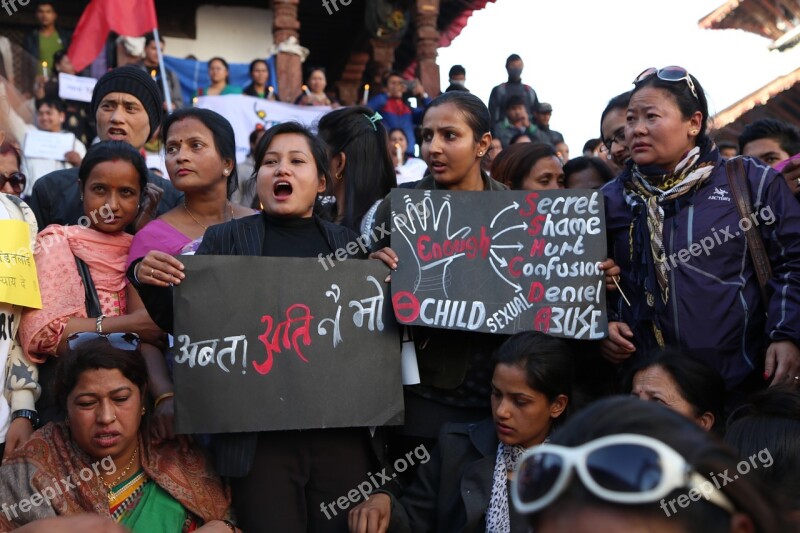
x,y
501,262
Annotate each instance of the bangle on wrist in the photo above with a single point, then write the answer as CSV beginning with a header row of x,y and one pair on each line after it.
x,y
33,416
230,525
99,324
163,397
136,272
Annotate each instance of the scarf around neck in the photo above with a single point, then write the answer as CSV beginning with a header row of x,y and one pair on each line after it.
x,y
647,191
498,519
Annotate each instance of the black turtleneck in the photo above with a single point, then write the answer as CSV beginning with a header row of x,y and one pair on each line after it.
x,y
293,237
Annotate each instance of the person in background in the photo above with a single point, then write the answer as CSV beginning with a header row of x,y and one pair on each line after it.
x,y
245,193
51,114
13,180
529,167
393,108
656,458
46,40
594,148
491,154
457,78
218,75
612,131
360,165
464,485
541,118
76,113
314,91
151,65
516,122
770,424
127,106
586,173
667,199
514,86
562,151
409,168
773,141
728,149
522,138
682,384
259,81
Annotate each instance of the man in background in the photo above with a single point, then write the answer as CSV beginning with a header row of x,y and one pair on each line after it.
x,y
773,141
512,87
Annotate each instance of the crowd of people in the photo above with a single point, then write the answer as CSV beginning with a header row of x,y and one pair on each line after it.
x,y
698,377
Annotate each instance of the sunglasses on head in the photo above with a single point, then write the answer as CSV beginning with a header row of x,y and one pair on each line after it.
x,y
626,468
17,180
128,342
673,74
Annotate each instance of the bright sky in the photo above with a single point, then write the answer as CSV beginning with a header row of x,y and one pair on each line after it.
x,y
579,53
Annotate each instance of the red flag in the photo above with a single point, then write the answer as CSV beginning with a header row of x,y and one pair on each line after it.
x,y
126,17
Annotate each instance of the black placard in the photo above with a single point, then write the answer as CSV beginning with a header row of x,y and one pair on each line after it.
x,y
500,262
266,343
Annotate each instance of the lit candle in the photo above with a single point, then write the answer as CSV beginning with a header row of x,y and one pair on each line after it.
x,y
366,93
194,101
305,90
399,154
153,74
44,69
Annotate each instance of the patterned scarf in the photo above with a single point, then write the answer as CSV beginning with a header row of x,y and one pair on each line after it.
x,y
497,516
647,203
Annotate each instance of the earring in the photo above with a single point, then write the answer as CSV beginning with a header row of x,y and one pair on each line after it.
x,y
226,171
338,176
480,154
144,410
693,132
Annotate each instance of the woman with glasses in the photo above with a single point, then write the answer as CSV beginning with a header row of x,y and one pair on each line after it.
x,y
676,231
101,460
626,465
612,129
12,181
464,487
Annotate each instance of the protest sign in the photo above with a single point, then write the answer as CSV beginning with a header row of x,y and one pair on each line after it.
x,y
500,262
262,344
48,144
78,88
19,283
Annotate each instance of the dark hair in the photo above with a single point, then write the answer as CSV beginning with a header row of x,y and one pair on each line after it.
x,y
512,165
512,57
112,151
56,103
255,62
457,70
8,148
475,112
701,386
518,136
318,150
221,130
687,103
390,74
578,164
312,69
57,57
771,421
217,58
592,144
369,174
620,101
97,354
547,361
514,100
401,130
149,37
704,452
47,3
785,134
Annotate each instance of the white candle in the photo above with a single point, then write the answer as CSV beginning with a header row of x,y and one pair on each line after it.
x,y
366,94
399,154
44,69
153,74
305,90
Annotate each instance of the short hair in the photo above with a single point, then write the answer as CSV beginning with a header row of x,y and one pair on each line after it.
x,y
457,70
577,164
591,145
8,148
512,57
474,110
221,131
514,100
785,134
700,385
96,354
390,74
112,151
149,37
513,164
620,101
771,421
56,103
518,136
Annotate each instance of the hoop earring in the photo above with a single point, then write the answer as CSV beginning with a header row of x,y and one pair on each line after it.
x,y
338,176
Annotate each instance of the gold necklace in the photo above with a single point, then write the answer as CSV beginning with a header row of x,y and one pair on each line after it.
x,y
109,486
198,222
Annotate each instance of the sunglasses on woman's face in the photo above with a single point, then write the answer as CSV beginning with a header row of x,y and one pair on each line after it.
x,y
626,468
673,74
128,342
17,180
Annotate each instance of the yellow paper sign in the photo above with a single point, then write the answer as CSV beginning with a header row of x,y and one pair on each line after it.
x,y
19,284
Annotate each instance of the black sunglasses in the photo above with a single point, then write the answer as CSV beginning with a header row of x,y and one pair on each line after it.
x,y
17,180
127,342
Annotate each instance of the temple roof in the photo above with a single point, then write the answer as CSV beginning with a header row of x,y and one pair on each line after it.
x,y
778,20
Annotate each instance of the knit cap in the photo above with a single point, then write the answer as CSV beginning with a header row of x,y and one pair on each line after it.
x,y
132,80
